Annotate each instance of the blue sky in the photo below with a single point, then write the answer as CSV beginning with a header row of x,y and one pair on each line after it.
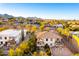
x,y
42,10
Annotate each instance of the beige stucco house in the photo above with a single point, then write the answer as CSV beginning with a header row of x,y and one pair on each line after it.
x,y
52,38
55,42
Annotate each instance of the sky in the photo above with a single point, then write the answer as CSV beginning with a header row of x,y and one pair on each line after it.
x,y
42,10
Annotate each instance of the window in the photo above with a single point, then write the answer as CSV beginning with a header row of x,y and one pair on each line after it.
x,y
38,42
46,39
62,41
58,41
50,44
5,37
1,42
6,43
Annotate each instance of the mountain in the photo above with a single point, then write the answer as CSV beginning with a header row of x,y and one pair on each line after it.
x,y
0,14
10,16
6,16
33,18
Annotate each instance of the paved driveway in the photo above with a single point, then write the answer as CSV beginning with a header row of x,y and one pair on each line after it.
x,y
61,51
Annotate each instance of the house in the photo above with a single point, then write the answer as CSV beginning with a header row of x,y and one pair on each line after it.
x,y
58,26
48,26
9,36
59,46
54,41
52,38
75,33
5,20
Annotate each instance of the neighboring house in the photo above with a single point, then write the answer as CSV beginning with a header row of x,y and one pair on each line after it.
x,y
58,26
52,38
52,27
5,20
31,21
49,26
10,35
1,19
75,33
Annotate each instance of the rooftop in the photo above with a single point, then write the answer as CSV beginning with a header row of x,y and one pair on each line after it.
x,y
74,32
48,34
58,25
10,32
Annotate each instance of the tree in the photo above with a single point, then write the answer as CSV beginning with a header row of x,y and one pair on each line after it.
x,y
29,27
18,52
47,49
32,42
11,52
25,47
35,53
66,32
76,38
41,27
76,54
1,23
3,28
1,52
59,30
34,28
63,31
42,53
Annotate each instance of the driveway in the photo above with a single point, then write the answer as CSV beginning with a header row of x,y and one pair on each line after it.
x,y
60,51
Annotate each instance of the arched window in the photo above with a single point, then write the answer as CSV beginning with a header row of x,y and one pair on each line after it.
x,y
5,37
58,41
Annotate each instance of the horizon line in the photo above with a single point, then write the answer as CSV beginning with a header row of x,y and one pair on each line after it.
x,y
50,18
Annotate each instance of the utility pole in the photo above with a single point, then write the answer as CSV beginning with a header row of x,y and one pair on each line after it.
x,y
22,33
22,28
